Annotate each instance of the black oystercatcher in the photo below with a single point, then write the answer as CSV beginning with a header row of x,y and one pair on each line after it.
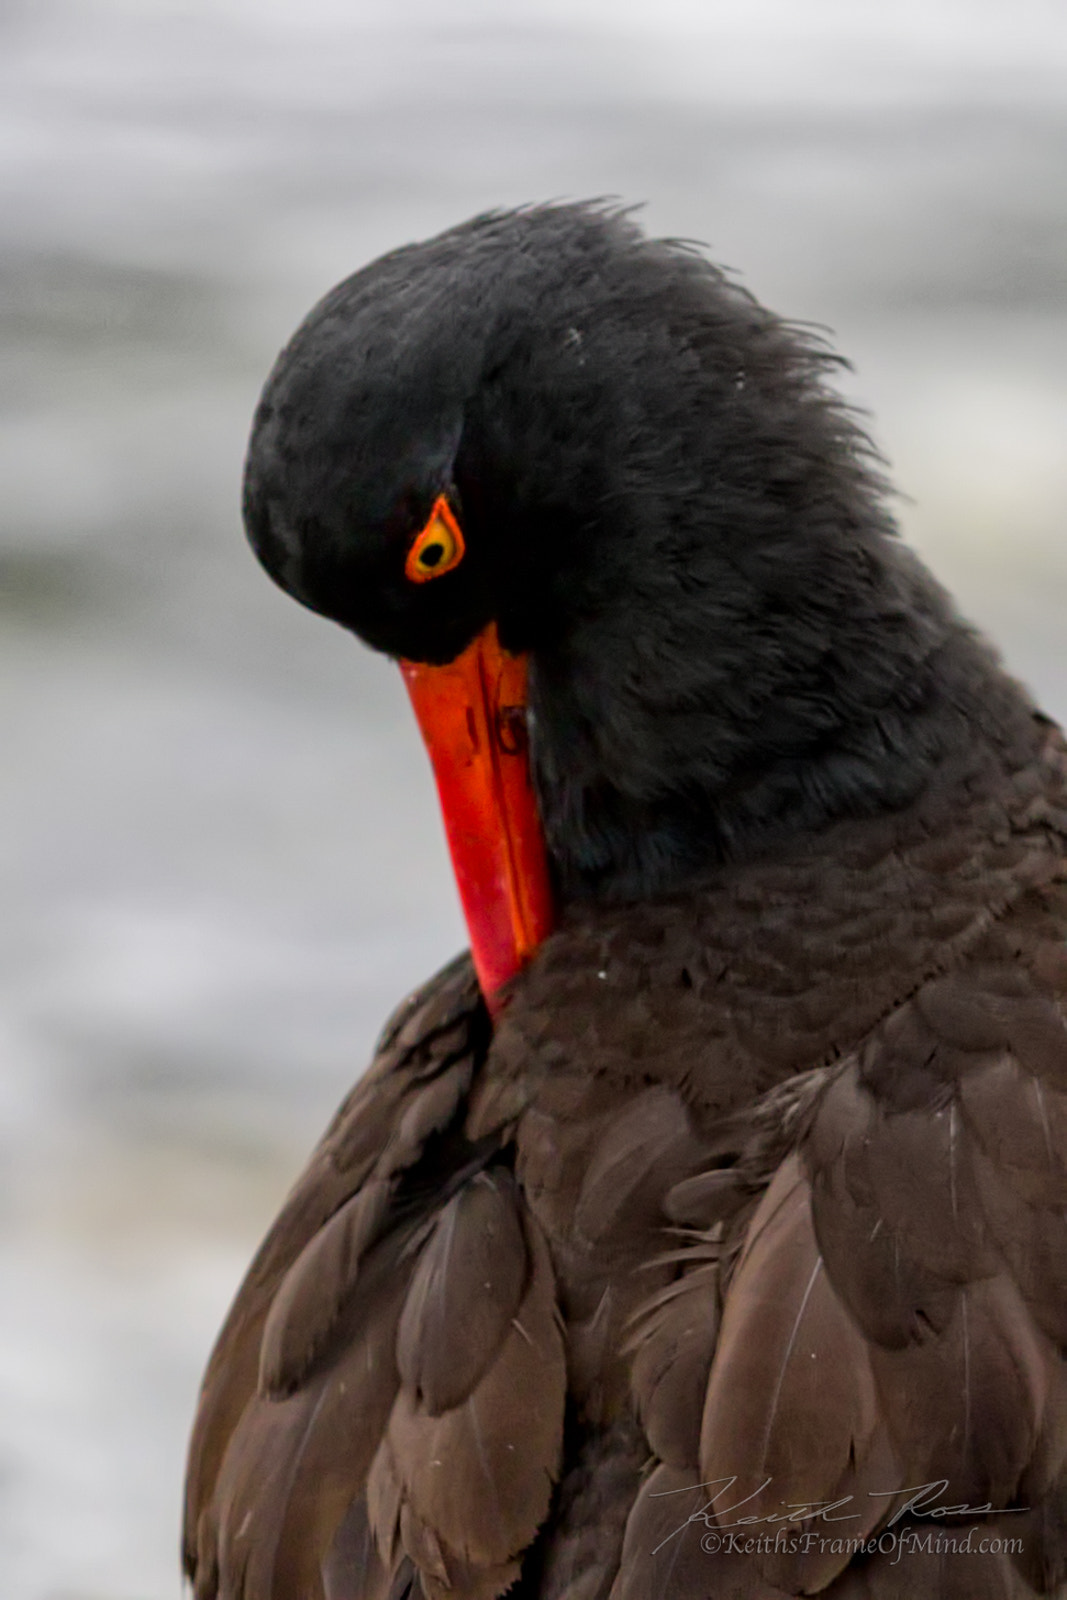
x,y
705,1235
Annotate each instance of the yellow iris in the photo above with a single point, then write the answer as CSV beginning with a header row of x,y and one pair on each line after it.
x,y
439,547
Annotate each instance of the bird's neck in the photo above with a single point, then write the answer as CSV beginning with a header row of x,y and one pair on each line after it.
x,y
653,770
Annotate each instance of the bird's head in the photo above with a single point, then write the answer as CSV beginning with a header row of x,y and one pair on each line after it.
x,y
543,439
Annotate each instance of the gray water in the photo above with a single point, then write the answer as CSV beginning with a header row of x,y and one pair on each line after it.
x,y
222,861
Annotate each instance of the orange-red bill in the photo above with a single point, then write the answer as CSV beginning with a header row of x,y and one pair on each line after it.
x,y
473,719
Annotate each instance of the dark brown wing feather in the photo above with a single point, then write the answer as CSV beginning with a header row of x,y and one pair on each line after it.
x,y
791,1413
667,1554
465,1293
409,1413
312,1295
755,1214
475,1481
672,1347
943,1229
580,1551
294,1465
354,1551
316,1288
254,1446
894,1313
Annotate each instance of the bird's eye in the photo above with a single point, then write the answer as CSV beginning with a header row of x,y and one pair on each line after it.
x,y
438,548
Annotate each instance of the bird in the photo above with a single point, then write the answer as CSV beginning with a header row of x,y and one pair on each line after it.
x,y
701,1232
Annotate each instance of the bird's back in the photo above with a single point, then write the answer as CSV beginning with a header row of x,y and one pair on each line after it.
x,y
733,1262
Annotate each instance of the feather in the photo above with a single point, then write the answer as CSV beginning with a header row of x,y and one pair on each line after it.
x,y
844,1114
540,1168
315,1290
353,1569
915,1246
229,1384
645,1144
427,1112
205,1555
672,1346
924,1562
469,1583
450,1002
901,1064
597,1375
495,1102
445,1577
464,1293
295,1465
1020,1121
956,1010
584,1544
594,1175
895,1294
707,1198
439,1021
385,1495
667,1554
1036,1034
1042,1536
894,1298
318,1284
877,1179
233,1371
791,1416
969,1405
480,1476
424,1548
916,1165
1033,1242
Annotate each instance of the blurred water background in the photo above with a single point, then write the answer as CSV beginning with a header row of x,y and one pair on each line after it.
x,y
222,861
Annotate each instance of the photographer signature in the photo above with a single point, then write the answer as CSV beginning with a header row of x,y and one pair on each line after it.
x,y
921,1500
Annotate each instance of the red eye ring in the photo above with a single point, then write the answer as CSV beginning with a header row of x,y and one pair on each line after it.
x,y
438,548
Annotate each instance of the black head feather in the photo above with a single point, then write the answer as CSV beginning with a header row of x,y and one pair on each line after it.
x,y
663,501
